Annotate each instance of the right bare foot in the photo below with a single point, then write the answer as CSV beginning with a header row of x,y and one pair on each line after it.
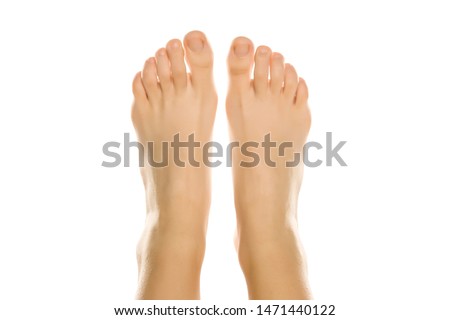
x,y
266,197
170,101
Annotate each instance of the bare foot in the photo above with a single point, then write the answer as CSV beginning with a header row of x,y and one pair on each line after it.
x,y
168,101
266,194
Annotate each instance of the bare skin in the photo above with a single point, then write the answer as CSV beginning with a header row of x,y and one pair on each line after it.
x,y
267,239
168,100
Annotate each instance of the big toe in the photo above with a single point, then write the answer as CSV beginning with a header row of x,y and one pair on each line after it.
x,y
199,57
240,62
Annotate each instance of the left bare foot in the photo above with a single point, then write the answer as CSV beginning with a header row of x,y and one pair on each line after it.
x,y
168,101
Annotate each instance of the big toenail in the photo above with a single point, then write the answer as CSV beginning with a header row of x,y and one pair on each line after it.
x,y
241,49
196,44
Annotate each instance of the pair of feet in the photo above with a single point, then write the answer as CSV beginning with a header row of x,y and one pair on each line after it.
x,y
168,101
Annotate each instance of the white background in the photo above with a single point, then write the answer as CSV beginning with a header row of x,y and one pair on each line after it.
x,y
376,232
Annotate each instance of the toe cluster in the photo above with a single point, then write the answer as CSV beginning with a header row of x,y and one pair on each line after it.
x,y
167,72
270,73
260,70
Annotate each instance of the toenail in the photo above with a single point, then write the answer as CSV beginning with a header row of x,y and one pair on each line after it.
x,y
263,50
241,49
175,44
277,56
161,53
196,44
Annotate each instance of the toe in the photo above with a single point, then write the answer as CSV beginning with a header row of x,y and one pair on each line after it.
x,y
163,68
178,67
199,56
261,72
276,72
150,77
301,97
290,81
138,88
240,62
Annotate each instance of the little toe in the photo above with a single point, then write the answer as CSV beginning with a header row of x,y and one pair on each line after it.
x,y
138,88
301,97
